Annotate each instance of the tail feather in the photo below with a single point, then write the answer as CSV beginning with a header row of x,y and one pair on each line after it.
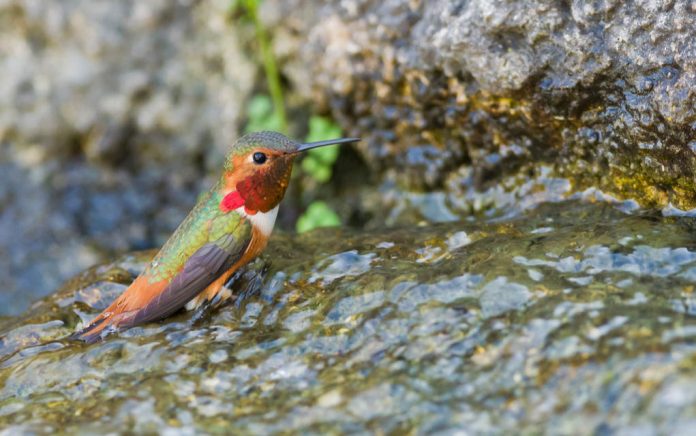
x,y
107,322
147,301
91,333
121,313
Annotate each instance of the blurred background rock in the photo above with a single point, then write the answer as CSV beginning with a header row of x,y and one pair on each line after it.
x,y
115,115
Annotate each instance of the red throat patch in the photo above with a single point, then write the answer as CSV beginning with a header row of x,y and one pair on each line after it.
x,y
231,202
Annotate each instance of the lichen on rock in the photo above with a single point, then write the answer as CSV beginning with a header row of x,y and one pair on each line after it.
x,y
601,91
571,316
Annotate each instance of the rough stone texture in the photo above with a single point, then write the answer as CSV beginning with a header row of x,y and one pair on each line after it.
x,y
603,91
111,115
574,318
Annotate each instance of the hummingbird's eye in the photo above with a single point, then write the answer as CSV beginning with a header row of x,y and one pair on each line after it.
x,y
259,157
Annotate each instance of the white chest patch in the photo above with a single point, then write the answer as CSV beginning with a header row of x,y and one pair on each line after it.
x,y
264,222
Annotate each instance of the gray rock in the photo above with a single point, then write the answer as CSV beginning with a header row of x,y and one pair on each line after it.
x,y
499,297
394,341
601,91
112,114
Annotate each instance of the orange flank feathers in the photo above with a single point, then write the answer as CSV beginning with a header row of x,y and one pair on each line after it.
x,y
138,295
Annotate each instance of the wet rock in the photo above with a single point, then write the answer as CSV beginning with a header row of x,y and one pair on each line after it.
x,y
572,318
601,92
112,116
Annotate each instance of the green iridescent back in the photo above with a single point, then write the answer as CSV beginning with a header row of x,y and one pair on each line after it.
x,y
206,223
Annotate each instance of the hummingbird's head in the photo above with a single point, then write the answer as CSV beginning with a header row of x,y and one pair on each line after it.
x,y
259,165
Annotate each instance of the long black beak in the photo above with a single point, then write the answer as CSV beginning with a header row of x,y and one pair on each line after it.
x,y
311,145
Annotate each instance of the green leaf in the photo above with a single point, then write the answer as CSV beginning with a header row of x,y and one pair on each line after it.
x,y
233,6
316,169
310,165
259,106
326,155
251,5
262,116
323,174
319,161
321,128
318,214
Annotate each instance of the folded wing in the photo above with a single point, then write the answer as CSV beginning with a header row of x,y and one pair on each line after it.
x,y
201,250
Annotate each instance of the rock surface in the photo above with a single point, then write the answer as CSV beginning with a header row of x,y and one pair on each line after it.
x,y
573,318
537,316
452,92
114,115
111,116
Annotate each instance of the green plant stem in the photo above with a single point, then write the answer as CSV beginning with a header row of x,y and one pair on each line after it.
x,y
269,64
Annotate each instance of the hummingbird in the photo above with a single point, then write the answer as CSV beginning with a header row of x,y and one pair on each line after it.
x,y
228,227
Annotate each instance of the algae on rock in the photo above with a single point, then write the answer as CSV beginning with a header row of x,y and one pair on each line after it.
x,y
600,91
573,317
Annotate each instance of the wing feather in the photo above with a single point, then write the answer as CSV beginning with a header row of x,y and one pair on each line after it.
x,y
202,268
206,244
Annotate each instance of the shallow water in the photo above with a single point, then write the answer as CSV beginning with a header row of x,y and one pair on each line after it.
x,y
574,317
